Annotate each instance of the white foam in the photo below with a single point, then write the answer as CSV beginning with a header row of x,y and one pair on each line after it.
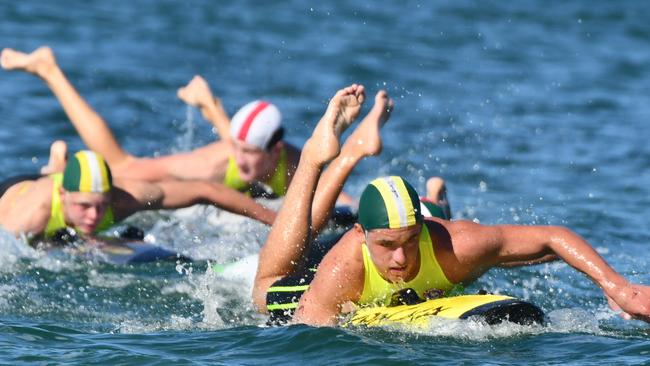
x,y
242,270
573,320
207,233
56,264
110,280
559,321
174,323
13,250
6,293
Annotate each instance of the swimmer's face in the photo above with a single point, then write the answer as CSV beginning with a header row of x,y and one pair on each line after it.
x,y
395,252
254,163
84,211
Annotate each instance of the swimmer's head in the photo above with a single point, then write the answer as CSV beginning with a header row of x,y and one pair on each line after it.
x,y
390,217
87,172
85,192
256,131
258,124
389,203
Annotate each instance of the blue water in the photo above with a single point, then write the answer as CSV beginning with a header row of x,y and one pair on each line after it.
x,y
534,112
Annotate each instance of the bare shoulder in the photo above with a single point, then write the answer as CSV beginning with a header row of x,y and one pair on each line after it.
x,y
347,250
217,150
460,232
219,153
461,246
26,206
131,195
338,281
39,191
343,264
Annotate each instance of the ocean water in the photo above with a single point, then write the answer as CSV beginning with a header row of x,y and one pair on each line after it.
x,y
534,112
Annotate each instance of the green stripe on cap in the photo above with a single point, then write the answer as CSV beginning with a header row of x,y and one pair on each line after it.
x,y
87,172
389,202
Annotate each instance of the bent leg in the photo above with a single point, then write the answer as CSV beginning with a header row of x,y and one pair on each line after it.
x,y
58,158
197,93
91,127
290,233
364,141
437,194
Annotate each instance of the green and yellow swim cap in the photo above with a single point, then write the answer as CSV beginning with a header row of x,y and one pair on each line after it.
x,y
430,209
87,172
389,203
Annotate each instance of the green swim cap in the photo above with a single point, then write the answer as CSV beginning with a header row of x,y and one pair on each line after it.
x,y
87,172
430,209
389,203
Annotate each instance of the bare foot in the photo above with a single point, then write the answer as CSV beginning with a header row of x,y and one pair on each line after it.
x,y
39,62
435,189
437,193
196,93
366,140
342,110
58,158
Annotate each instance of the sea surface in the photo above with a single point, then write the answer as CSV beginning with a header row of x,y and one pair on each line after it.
x,y
535,112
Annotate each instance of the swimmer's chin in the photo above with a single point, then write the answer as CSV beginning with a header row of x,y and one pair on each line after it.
x,y
86,229
396,274
246,177
250,179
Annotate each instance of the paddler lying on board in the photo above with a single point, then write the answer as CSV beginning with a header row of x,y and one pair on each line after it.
x,y
393,247
85,197
251,156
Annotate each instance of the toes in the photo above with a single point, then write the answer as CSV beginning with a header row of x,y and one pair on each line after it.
x,y
4,57
390,105
361,95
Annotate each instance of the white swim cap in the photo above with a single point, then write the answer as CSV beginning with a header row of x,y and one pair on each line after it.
x,y
256,123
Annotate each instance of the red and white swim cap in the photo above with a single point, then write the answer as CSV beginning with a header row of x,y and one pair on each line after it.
x,y
256,123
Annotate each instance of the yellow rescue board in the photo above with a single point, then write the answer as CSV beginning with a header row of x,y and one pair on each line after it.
x,y
493,308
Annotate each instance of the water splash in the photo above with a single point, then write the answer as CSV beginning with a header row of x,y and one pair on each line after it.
x,y
185,141
13,249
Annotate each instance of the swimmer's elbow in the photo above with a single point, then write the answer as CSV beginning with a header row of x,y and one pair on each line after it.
x,y
259,300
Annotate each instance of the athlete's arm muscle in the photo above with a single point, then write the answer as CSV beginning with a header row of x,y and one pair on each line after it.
x,y
208,162
339,279
132,196
29,211
495,245
178,194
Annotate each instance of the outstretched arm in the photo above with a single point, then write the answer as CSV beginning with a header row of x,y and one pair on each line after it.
x,y
508,244
197,93
89,124
138,196
178,194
